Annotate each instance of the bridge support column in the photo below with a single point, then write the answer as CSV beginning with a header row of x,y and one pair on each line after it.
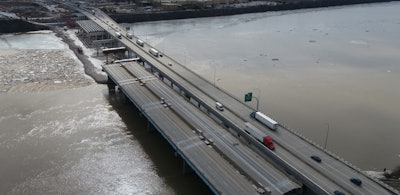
x,y
111,86
185,168
126,99
107,58
149,127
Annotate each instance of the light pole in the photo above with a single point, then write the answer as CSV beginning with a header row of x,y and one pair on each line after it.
x,y
327,134
184,63
215,74
258,97
257,103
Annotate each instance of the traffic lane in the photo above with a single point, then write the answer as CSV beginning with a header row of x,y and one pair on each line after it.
x,y
213,171
312,174
213,162
303,162
331,167
204,123
161,118
243,189
209,163
312,168
262,171
338,173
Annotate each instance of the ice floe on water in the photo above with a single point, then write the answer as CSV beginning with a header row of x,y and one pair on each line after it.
x,y
38,61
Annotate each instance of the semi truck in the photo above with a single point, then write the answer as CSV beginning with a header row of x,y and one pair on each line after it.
x,y
260,136
265,120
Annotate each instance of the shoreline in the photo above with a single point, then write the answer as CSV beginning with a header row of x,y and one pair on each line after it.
x,y
89,67
215,12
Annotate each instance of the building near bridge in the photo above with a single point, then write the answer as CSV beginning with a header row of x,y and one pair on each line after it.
x,y
94,36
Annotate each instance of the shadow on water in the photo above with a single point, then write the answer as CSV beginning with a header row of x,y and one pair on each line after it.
x,y
167,165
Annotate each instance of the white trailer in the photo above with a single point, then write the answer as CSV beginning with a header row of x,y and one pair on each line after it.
x,y
265,120
153,52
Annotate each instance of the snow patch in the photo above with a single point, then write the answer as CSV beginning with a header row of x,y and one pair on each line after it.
x,y
376,174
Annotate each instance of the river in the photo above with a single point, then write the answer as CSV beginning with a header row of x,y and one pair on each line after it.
x,y
313,70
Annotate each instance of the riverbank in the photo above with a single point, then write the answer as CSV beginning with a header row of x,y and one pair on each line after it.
x,y
89,67
232,10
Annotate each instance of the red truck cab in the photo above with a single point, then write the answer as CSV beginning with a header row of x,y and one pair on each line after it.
x,y
268,142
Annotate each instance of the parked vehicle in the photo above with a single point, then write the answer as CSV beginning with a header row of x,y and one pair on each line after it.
x,y
219,106
265,120
356,181
260,136
153,52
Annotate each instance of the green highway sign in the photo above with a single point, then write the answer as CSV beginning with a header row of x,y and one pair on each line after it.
x,y
248,97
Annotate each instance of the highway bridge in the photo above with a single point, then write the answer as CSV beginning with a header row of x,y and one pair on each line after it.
x,y
181,106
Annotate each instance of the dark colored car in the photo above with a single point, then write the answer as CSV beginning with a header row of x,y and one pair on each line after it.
x,y
356,181
316,158
337,192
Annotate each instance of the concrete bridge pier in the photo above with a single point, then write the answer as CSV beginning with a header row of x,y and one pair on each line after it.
x,y
130,54
111,85
186,169
149,127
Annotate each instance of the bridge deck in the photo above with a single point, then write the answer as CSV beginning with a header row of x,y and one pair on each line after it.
x,y
207,161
